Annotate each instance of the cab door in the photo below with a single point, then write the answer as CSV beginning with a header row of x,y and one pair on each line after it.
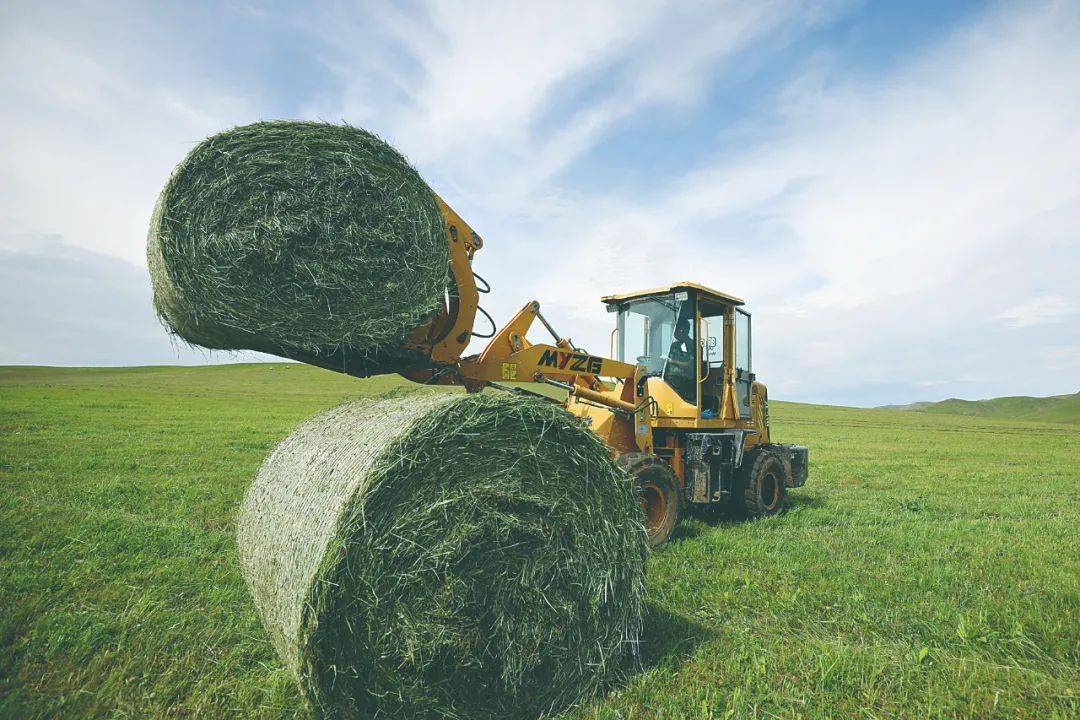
x,y
744,376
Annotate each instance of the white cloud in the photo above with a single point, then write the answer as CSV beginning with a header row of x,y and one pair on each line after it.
x,y
889,229
1061,359
480,95
494,100
88,141
1042,310
65,305
886,223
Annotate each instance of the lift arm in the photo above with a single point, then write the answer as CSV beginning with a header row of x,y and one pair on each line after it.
x,y
509,356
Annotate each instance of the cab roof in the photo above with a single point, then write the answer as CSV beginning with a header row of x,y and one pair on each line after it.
x,y
707,293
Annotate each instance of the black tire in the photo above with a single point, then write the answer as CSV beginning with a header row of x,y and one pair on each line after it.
x,y
658,487
764,479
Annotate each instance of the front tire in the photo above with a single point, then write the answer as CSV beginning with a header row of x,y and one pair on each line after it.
x,y
764,483
658,488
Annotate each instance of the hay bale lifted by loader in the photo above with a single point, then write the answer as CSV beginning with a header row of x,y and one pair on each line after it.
x,y
310,241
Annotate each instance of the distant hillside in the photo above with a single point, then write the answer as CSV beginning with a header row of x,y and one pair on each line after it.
x,y
1057,408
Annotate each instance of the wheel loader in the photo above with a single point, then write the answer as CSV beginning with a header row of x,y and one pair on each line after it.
x,y
678,403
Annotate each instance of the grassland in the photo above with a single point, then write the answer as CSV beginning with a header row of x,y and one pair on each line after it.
x,y
929,569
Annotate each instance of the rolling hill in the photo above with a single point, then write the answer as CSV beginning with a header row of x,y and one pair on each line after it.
x,y
1056,408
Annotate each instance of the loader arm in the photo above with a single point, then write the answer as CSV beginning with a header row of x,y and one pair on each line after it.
x,y
509,345
509,356
447,335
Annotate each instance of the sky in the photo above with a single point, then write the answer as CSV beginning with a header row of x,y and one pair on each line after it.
x,y
893,187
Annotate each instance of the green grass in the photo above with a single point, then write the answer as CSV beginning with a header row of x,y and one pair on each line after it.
x,y
1056,408
930,568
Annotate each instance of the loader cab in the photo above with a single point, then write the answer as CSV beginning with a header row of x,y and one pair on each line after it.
x,y
685,335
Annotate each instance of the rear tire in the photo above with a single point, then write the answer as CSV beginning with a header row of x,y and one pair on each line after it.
x,y
658,488
764,483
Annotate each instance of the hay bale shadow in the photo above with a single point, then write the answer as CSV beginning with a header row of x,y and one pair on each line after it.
x,y
669,638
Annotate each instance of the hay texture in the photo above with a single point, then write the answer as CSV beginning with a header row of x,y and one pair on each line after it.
x,y
307,240
445,555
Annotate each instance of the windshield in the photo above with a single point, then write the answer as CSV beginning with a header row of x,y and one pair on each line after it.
x,y
658,332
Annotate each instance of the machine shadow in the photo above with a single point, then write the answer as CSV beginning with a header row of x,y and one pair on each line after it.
x,y
713,517
695,521
803,500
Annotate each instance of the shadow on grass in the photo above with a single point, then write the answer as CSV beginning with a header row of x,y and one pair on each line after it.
x,y
709,516
668,638
804,500
718,516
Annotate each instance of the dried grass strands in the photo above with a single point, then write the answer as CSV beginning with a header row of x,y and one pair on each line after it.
x,y
445,555
307,240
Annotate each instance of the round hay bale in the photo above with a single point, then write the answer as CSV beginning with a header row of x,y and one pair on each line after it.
x,y
308,240
445,555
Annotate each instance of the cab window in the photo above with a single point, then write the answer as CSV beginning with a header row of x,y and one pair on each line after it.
x,y
658,332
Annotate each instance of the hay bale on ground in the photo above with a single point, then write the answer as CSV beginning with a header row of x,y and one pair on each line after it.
x,y
312,241
445,555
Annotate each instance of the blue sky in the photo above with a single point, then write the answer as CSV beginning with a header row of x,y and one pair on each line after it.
x,y
895,187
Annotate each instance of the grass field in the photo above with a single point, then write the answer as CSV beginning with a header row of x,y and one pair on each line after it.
x,y
930,568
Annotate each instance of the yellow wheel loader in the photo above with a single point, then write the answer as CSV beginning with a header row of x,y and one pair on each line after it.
x,y
678,403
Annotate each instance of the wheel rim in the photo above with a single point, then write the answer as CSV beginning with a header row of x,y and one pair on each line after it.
x,y
654,505
770,491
